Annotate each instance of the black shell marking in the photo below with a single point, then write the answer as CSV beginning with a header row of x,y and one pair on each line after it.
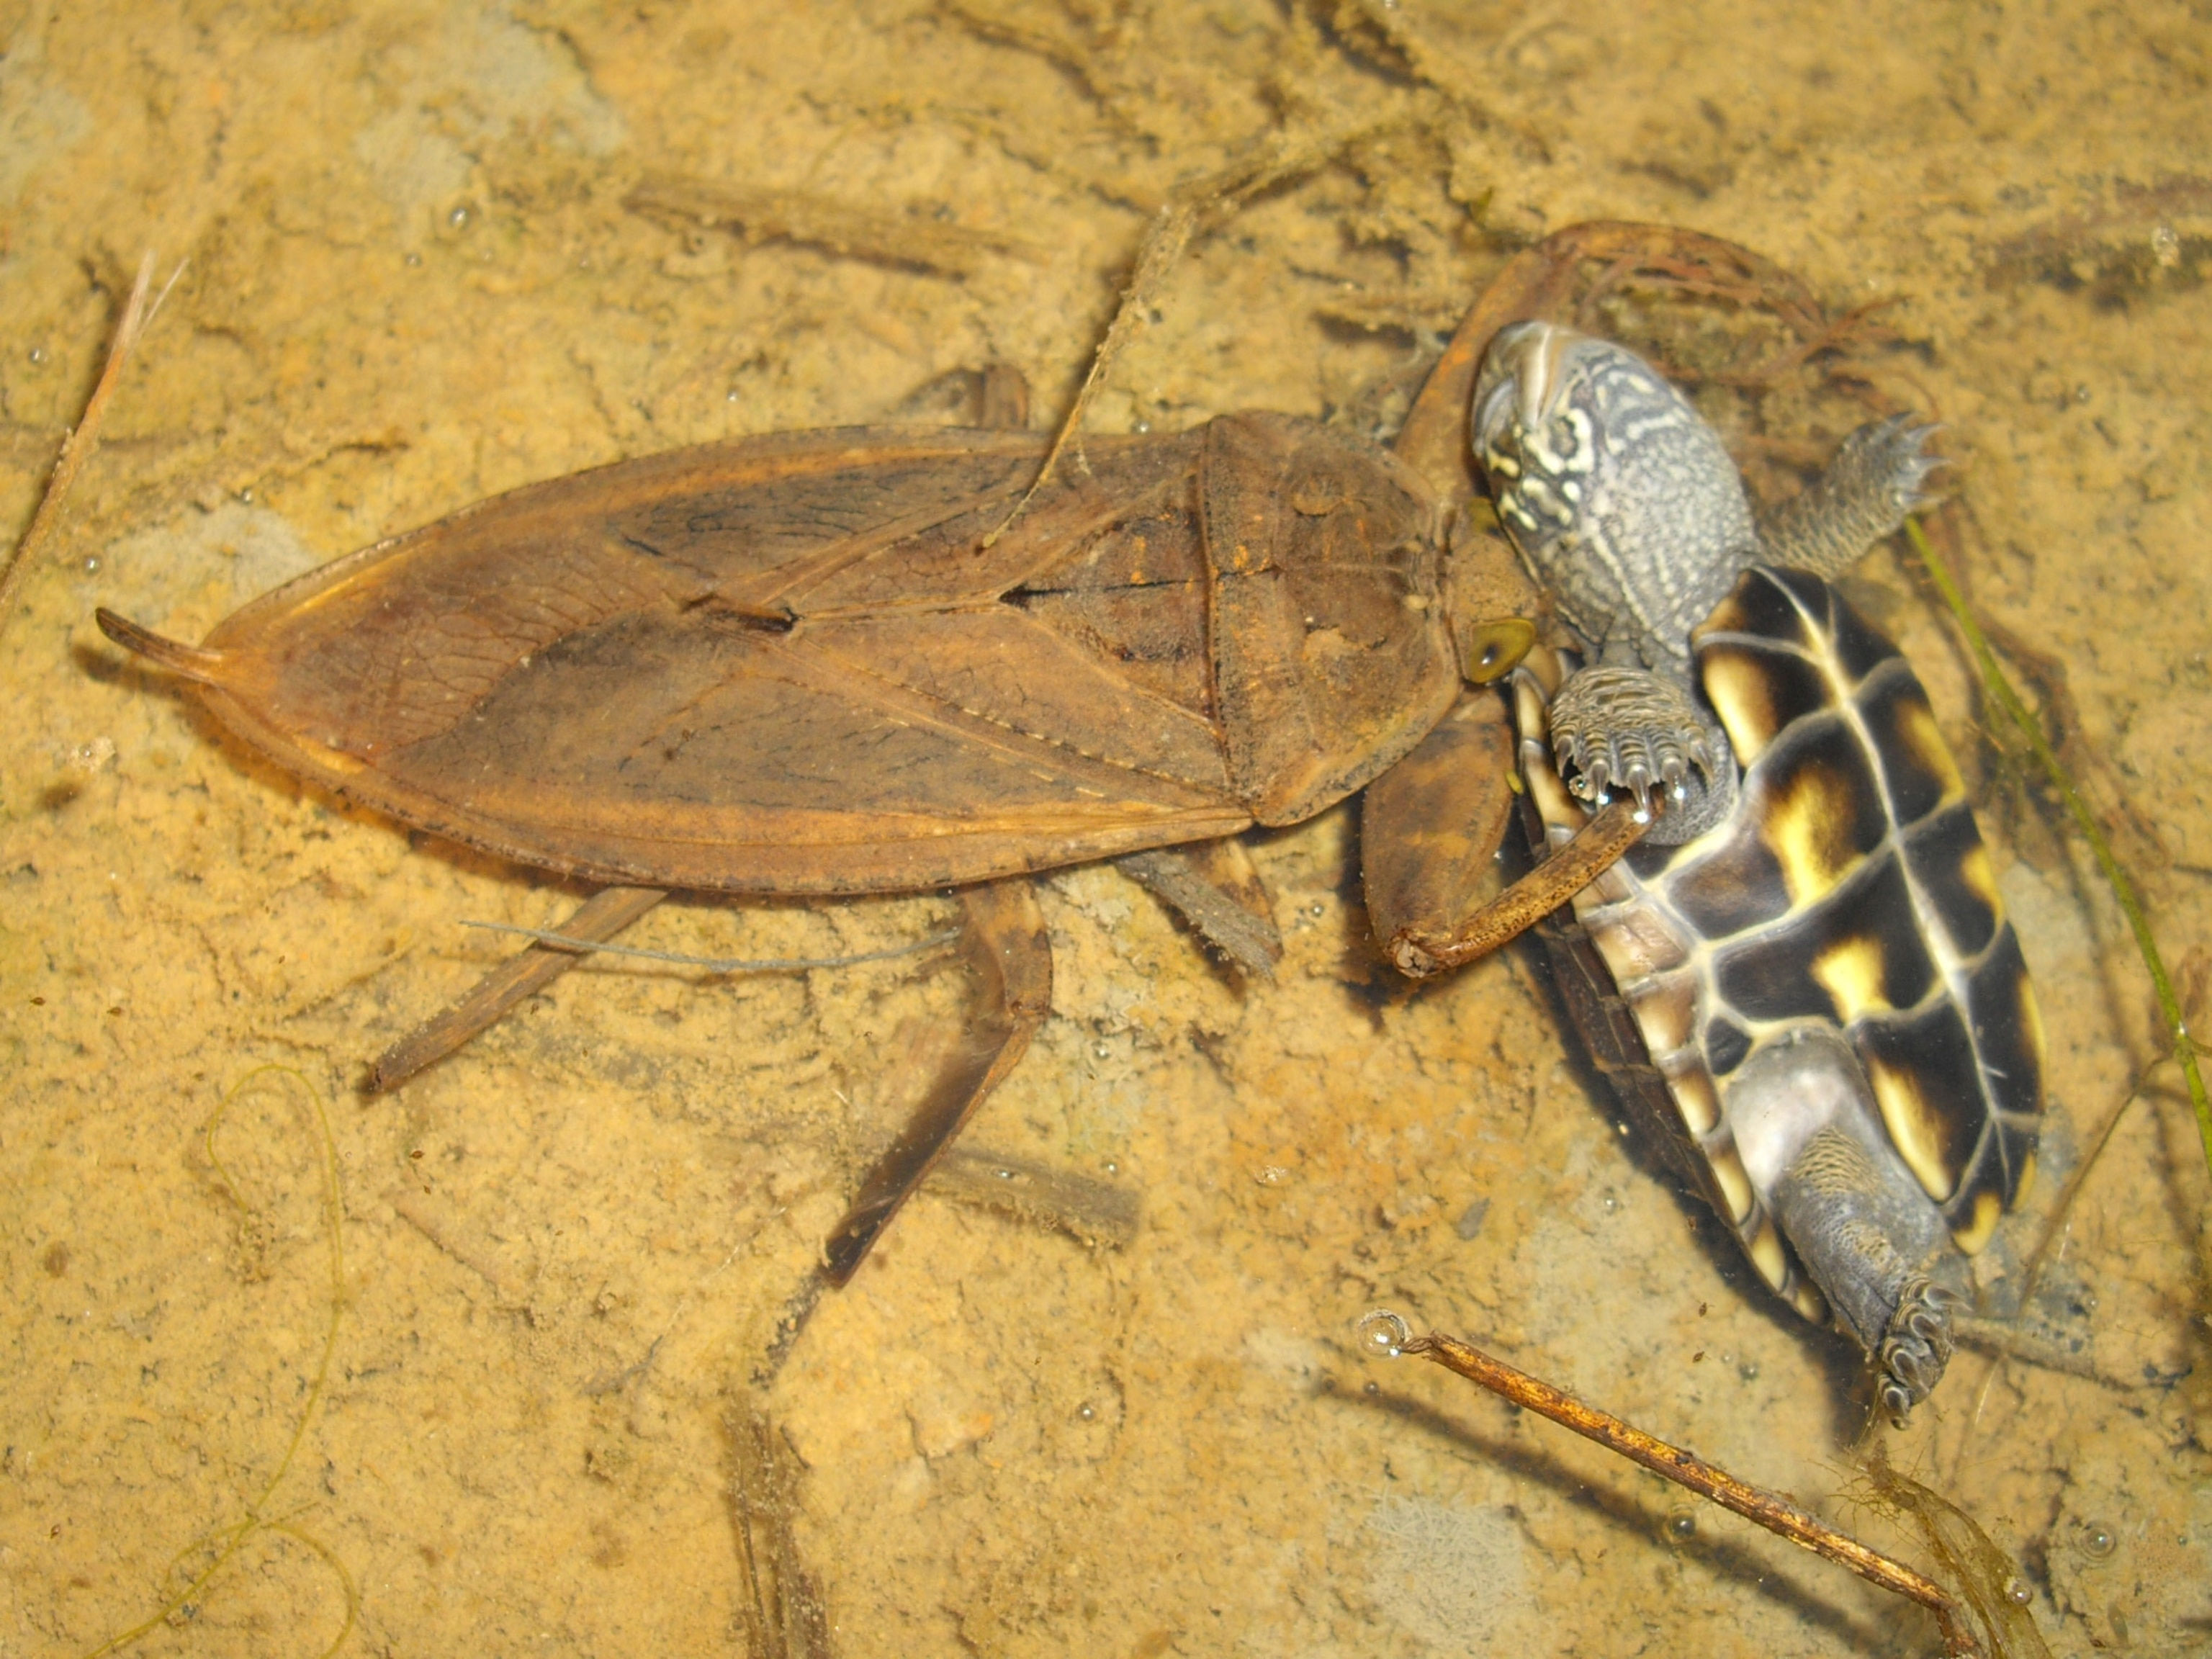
x,y
1850,888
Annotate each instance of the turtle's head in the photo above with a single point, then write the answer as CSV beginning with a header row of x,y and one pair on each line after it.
x,y
1538,421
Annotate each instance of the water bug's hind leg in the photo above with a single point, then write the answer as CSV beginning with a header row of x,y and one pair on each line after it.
x,y
527,972
1213,886
1007,947
1876,477
1636,731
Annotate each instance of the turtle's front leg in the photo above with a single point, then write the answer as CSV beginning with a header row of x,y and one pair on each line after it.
x,y
1620,728
1876,477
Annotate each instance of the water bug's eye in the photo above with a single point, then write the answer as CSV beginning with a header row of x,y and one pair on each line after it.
x,y
1490,650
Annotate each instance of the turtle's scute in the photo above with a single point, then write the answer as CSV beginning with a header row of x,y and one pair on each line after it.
x,y
1915,762
1726,1044
1818,804
1950,867
2008,1029
1770,975
1761,608
1858,646
1879,963
1930,1088
1759,691
1736,887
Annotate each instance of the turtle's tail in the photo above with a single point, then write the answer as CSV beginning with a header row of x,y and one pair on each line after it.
x,y
201,667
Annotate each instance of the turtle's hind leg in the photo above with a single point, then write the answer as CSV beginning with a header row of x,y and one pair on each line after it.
x,y
1810,1135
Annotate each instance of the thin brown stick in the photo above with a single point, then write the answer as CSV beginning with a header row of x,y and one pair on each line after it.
x,y
1190,210
1385,1333
77,447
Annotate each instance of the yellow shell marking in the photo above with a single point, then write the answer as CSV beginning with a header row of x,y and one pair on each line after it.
x,y
1979,879
1738,688
1695,1099
1734,1184
2031,1018
1915,1128
1807,829
1851,972
1975,1233
1916,729
1765,1252
2026,1179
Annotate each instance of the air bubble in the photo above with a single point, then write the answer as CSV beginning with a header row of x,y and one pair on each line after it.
x,y
2096,1540
1087,1412
38,355
1683,1523
1382,1335
2018,1593
457,218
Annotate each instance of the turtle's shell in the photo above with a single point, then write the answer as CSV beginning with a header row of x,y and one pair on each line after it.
x,y
1849,887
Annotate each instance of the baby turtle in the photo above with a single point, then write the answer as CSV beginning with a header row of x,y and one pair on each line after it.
x,y
1809,940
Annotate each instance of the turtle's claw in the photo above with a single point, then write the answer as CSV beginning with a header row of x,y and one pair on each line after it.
x,y
1616,729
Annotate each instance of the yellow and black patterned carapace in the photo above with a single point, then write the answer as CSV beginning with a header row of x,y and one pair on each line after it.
x,y
1814,983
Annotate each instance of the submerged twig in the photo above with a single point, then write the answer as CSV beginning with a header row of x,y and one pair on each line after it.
x,y
782,1611
1385,1333
77,447
2001,692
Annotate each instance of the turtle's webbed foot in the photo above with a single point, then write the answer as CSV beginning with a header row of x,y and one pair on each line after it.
x,y
1916,1347
1633,730
1888,455
1879,473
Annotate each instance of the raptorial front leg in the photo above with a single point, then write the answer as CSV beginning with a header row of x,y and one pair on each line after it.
x,y
1212,885
1005,946
1430,829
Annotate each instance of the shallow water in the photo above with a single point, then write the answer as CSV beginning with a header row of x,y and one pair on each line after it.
x,y
413,282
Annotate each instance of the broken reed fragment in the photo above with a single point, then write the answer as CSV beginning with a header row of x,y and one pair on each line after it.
x,y
77,448
1386,1334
